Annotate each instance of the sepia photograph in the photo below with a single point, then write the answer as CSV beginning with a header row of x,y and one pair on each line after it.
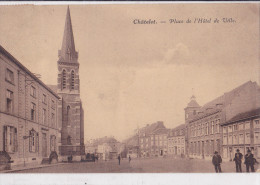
x,y
129,88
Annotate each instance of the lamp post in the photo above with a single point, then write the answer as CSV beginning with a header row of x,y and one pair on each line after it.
x,y
24,138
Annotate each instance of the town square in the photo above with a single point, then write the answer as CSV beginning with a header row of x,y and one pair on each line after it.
x,y
114,91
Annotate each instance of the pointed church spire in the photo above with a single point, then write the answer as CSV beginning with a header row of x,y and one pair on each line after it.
x,y
68,52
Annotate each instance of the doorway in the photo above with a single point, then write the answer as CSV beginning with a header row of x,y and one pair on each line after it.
x,y
44,145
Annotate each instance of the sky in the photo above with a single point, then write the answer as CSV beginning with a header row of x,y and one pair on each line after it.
x,y
136,74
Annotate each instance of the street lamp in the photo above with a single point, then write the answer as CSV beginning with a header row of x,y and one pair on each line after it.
x,y
24,138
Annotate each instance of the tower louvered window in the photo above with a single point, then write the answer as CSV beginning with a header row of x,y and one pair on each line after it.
x,y
63,79
72,79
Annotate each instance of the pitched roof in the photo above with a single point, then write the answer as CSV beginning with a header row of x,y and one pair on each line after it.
x,y
68,52
161,131
223,100
244,115
193,103
149,128
21,66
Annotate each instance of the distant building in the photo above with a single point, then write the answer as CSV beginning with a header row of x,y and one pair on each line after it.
x,y
152,140
242,132
29,127
176,141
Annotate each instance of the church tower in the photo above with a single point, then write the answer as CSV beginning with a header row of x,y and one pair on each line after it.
x,y
68,88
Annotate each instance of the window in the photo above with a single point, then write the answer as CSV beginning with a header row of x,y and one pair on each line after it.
x,y
10,139
235,139
247,125
44,99
63,79
72,79
217,126
235,127
52,119
53,143
69,140
241,126
9,76
257,137
247,139
207,129
44,116
225,129
230,140
229,128
225,140
257,125
52,104
33,91
33,141
212,127
33,112
241,138
9,101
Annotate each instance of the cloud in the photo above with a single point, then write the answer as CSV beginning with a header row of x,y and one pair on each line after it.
x,y
179,55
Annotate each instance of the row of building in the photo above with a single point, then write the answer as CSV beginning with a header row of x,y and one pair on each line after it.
x,y
224,124
37,120
105,148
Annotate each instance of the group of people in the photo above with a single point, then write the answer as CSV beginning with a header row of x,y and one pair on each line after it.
x,y
250,161
119,159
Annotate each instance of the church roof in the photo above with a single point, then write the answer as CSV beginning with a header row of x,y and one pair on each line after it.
x,y
68,52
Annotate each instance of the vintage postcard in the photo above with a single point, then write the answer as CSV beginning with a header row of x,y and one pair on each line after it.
x,y
129,88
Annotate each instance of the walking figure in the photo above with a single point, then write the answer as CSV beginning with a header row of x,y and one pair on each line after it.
x,y
238,160
129,158
119,158
250,161
216,160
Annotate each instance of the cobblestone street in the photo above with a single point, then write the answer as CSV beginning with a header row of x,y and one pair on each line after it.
x,y
149,165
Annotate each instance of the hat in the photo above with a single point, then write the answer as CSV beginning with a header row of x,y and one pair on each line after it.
x,y
215,152
238,150
248,150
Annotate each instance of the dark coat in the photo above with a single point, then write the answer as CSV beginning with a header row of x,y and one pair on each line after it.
x,y
249,159
238,158
216,159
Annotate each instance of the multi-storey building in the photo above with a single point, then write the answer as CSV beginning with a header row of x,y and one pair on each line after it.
x,y
204,133
159,142
29,129
150,141
242,132
176,141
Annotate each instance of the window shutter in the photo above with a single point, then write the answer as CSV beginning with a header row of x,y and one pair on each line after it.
x,y
15,140
37,142
30,141
5,138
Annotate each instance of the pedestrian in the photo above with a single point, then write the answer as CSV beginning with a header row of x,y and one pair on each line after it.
x,y
238,160
216,160
119,158
250,161
129,158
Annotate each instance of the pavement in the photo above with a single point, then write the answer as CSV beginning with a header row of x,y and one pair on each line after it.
x,y
148,165
29,167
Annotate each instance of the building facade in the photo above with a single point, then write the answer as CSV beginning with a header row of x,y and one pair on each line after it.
x,y
29,129
176,141
203,124
68,88
242,132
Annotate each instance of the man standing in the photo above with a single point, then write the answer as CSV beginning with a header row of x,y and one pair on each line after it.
x,y
119,158
216,160
249,161
238,160
129,158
